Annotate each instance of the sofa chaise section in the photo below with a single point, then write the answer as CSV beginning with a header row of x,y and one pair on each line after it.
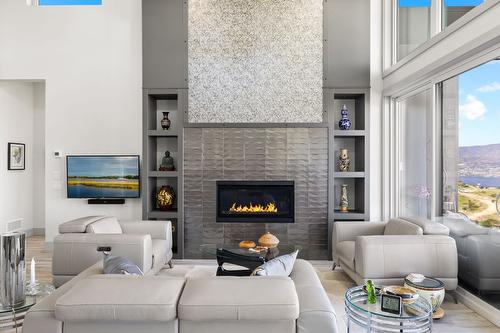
x,y
93,302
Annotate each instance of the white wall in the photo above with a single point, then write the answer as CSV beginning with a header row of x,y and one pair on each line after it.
x,y
16,125
375,110
39,156
90,59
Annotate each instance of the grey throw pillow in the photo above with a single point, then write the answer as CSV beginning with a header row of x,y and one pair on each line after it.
x,y
279,266
120,265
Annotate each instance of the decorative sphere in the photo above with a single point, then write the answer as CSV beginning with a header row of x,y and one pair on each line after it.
x,y
269,240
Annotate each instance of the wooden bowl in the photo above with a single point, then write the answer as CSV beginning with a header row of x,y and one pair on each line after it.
x,y
407,295
246,244
269,240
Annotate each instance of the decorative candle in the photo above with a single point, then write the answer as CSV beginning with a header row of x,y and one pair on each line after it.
x,y
33,278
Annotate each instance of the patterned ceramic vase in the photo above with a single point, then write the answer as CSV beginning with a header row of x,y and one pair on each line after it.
x,y
344,201
165,122
344,161
344,122
430,289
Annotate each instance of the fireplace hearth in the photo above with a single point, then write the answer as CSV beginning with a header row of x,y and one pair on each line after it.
x,y
255,201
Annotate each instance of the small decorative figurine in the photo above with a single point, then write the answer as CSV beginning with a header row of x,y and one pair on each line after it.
x,y
167,162
344,161
165,197
344,122
370,290
165,122
344,201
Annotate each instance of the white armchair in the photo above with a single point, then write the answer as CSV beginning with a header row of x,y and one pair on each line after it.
x,y
148,244
386,252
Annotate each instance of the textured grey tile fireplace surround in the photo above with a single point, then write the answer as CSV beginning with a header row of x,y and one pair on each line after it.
x,y
298,154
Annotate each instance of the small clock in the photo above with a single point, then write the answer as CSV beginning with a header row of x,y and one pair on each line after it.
x,y
391,304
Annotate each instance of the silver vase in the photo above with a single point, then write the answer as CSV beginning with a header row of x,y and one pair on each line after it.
x,y
12,269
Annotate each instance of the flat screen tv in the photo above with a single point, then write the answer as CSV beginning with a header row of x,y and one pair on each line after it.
x,y
103,176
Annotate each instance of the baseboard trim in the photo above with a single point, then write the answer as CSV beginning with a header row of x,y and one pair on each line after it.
x,y
48,246
35,232
38,231
478,305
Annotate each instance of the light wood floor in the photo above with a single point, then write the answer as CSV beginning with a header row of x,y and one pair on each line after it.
x,y
458,319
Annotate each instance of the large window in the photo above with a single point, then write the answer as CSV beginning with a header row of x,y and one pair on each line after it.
x,y
455,9
413,25
416,21
414,151
471,144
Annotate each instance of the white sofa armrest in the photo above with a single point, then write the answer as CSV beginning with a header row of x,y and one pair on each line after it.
x,y
378,257
348,231
73,253
157,229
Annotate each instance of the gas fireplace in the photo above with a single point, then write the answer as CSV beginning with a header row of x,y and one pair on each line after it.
x,y
255,201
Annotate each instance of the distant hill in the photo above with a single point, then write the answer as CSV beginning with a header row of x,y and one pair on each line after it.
x,y
481,154
480,160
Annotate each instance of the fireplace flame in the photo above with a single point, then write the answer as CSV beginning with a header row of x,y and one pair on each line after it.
x,y
269,208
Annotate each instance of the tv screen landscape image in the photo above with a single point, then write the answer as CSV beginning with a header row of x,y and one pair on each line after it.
x,y
108,176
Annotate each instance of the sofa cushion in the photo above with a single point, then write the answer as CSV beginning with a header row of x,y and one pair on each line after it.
x,y
345,252
121,297
78,225
106,225
429,227
402,227
120,265
279,266
239,298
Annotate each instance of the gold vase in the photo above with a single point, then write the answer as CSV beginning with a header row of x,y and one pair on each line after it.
x,y
165,197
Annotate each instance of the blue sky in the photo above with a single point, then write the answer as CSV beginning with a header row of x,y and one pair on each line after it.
x,y
102,166
479,91
69,2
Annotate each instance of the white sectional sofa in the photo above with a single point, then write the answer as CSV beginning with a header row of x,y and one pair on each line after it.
x,y
188,303
166,300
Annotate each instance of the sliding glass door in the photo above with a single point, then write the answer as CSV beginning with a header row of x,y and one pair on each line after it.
x,y
414,150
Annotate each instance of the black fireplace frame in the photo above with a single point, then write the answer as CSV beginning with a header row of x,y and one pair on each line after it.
x,y
255,219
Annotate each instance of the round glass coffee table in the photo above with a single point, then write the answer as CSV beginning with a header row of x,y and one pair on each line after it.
x,y
13,317
365,317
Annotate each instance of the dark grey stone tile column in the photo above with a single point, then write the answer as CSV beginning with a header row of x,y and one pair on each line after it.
x,y
299,154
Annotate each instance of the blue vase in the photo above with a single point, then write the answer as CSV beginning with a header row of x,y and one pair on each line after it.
x,y
344,122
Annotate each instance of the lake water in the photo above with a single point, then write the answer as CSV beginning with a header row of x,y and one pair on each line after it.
x,y
80,191
484,181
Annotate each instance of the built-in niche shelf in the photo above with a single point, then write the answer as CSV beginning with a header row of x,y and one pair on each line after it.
x,y
163,174
342,133
156,141
160,214
163,133
356,141
349,174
